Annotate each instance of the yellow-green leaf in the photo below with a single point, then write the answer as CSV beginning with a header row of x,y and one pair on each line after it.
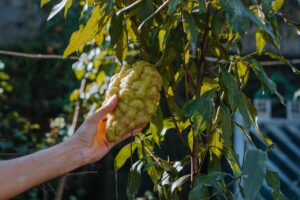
x,y
43,2
261,41
81,37
67,7
277,4
123,155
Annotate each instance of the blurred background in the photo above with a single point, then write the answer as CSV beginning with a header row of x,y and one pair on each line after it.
x,y
36,103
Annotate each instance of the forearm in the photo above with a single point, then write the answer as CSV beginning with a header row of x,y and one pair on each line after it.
x,y
20,174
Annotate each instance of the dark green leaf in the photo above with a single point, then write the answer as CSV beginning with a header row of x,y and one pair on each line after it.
x,y
173,5
121,49
202,7
235,14
202,105
212,179
146,9
227,126
235,96
115,29
254,171
109,5
265,80
193,31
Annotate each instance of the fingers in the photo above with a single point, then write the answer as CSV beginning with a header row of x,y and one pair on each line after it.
x,y
107,107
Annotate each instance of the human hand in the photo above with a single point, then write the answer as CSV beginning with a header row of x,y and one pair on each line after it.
x,y
90,136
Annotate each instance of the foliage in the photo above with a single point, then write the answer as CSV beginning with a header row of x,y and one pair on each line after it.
x,y
197,48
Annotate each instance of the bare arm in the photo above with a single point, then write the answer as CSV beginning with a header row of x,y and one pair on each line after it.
x,y
85,147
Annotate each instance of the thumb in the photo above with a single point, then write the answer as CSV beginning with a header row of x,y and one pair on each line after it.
x,y
106,108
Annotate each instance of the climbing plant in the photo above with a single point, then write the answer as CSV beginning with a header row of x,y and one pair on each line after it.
x,y
197,46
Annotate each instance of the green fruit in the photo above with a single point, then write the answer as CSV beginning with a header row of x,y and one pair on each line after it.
x,y
138,89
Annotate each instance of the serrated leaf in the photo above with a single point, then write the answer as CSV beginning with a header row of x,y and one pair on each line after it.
x,y
261,40
123,155
254,171
265,80
179,182
277,4
81,37
43,2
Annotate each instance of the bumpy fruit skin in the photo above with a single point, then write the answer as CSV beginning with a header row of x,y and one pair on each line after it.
x,y
138,90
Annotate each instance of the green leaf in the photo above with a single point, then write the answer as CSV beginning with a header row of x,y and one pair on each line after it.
x,y
203,181
227,126
238,15
134,179
265,80
202,105
88,33
173,5
273,181
193,31
43,2
235,96
254,171
116,28
179,182
123,155
109,5
253,116
261,40
202,7
121,49
283,60
277,4
235,14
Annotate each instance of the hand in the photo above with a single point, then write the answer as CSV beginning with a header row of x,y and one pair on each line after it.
x,y
90,136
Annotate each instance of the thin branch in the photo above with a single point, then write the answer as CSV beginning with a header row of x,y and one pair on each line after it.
x,y
60,57
153,14
128,7
36,56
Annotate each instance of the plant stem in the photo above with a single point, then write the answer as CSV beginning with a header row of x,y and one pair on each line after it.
x,y
201,69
